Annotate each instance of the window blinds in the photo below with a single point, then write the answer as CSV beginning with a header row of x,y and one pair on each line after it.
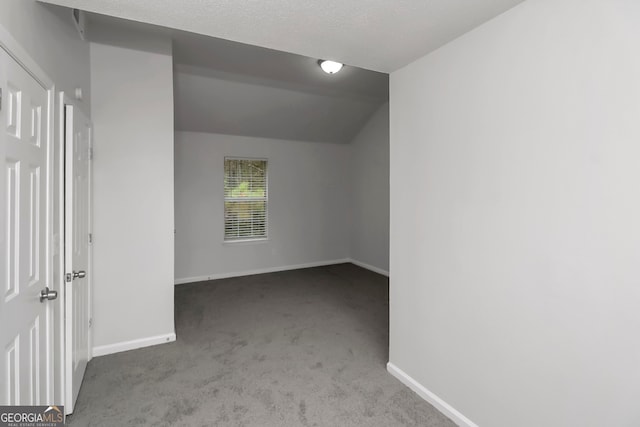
x,y
245,198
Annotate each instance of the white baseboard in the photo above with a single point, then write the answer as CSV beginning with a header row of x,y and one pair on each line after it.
x,y
369,267
430,397
103,350
259,271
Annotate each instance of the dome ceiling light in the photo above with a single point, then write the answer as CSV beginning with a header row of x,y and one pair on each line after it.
x,y
330,67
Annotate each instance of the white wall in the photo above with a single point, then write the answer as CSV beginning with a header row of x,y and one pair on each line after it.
x,y
515,199
133,192
370,192
308,205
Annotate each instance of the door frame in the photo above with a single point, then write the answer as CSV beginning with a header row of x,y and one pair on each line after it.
x,y
10,45
63,101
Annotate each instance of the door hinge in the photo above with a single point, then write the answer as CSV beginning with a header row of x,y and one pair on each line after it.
x,y
90,322
68,277
0,99
90,153
90,238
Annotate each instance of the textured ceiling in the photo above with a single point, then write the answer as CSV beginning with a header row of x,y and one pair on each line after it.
x,y
381,35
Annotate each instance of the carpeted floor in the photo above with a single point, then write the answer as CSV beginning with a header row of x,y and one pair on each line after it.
x,y
297,348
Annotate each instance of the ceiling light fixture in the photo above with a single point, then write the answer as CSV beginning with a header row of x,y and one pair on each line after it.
x,y
330,67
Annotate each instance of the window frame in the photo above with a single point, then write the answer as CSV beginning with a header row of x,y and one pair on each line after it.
x,y
245,240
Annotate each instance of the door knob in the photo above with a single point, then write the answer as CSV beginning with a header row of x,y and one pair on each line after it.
x,y
79,274
48,295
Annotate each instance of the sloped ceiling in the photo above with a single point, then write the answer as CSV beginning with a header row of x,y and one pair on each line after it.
x,y
237,89
381,35
208,101
232,88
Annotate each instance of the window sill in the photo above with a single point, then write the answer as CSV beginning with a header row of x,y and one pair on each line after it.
x,y
246,241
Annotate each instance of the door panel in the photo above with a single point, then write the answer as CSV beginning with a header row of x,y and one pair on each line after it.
x,y
77,222
25,377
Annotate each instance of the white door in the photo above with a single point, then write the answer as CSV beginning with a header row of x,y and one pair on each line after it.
x,y
77,250
25,318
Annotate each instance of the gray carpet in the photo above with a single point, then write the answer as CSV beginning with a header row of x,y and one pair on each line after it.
x,y
297,348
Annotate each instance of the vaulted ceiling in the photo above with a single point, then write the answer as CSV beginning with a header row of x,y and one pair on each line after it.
x,y
237,89
233,88
380,35
250,67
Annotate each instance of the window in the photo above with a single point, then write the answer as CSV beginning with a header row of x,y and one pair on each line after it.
x,y
245,199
